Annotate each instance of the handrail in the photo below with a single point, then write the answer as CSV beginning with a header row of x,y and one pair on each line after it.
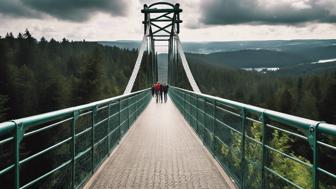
x,y
30,121
295,121
110,120
244,139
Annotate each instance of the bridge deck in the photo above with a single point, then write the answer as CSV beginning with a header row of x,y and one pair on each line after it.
x,y
160,151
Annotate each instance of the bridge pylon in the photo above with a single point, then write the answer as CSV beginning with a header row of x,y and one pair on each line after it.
x,y
162,23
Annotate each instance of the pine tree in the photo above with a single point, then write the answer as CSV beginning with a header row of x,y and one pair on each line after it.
x,y
92,78
307,107
9,35
20,36
285,101
3,108
328,105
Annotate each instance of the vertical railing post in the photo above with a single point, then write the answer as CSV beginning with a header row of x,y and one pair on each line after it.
x,y
312,139
196,108
120,121
133,107
214,122
136,104
242,161
139,103
18,138
192,101
73,147
264,149
94,113
184,104
174,63
204,116
109,129
128,113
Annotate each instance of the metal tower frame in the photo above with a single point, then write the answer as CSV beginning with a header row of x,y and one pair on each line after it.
x,y
162,23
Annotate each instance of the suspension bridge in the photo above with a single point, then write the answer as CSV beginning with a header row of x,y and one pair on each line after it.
x,y
193,141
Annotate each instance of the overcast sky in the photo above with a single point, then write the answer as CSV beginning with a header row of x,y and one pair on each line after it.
x,y
203,20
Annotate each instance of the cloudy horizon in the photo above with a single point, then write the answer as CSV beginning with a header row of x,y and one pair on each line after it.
x,y
212,20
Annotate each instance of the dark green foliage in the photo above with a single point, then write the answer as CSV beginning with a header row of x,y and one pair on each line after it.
x,y
42,76
311,96
3,100
37,77
285,101
292,59
328,104
255,58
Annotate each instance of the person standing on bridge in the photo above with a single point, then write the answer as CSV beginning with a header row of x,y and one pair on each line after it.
x,y
165,91
153,89
161,93
157,91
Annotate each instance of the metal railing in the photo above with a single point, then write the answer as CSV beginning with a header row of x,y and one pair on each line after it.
x,y
73,142
261,148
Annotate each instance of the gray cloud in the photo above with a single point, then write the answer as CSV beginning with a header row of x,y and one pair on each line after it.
x,y
73,10
226,12
16,8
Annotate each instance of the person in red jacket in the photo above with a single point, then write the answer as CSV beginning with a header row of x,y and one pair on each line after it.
x,y
157,91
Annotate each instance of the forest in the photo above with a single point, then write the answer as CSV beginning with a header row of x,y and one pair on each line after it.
x,y
311,95
39,76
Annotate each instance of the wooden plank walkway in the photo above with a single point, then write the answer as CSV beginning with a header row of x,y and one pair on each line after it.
x,y
160,151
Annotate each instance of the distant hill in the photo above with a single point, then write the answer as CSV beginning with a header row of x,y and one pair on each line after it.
x,y
274,45
291,56
306,69
225,46
288,63
252,58
124,44
316,52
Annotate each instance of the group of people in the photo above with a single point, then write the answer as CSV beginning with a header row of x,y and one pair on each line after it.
x,y
160,91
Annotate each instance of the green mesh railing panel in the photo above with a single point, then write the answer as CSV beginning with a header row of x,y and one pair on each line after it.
x,y
74,142
261,148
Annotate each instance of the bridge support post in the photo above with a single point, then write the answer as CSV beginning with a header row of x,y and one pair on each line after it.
x,y
214,122
264,149
184,104
189,109
204,115
94,113
119,128
19,131
137,98
109,130
73,148
197,115
128,113
242,161
312,139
